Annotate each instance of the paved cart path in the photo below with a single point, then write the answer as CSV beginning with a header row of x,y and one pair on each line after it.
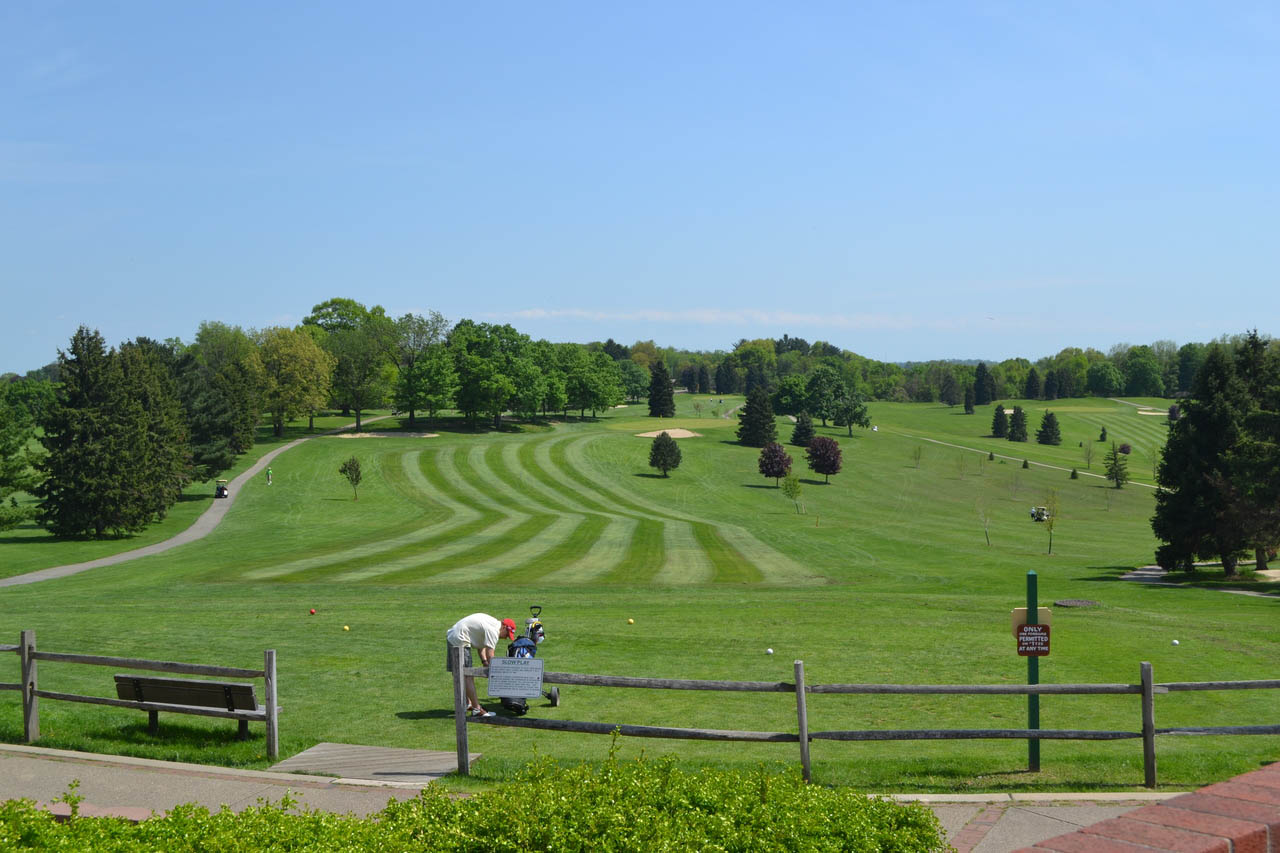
x,y
199,529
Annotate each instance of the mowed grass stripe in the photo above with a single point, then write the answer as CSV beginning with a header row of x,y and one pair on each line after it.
x,y
774,566
482,544
526,545
645,555
538,568
610,547
685,561
402,471
513,464
546,477
729,566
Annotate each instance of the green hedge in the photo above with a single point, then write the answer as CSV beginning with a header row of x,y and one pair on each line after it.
x,y
634,805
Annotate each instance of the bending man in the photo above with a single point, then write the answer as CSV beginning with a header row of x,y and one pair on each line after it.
x,y
481,631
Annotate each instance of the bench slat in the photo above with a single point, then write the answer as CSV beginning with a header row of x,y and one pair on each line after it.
x,y
187,692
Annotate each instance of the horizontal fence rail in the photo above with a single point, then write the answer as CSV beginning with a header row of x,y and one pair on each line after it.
x,y
1146,689
30,656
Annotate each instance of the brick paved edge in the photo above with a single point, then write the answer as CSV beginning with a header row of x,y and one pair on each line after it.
x,y
1241,815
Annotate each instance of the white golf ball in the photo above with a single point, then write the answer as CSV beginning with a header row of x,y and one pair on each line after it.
x,y
768,651
1175,642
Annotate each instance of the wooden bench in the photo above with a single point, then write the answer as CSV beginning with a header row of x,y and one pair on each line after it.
x,y
229,699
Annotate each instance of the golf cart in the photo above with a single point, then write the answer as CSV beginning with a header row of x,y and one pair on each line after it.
x,y
220,490
1039,513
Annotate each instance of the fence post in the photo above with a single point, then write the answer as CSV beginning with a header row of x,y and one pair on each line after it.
x,y
460,710
802,717
30,702
273,729
1148,727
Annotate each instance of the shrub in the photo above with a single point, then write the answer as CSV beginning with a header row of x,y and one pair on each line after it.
x,y
621,805
1026,464
1075,475
1125,449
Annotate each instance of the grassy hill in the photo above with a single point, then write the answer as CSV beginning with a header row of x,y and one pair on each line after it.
x,y
886,576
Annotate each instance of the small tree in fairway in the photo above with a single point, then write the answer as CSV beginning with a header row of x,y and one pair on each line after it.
x,y
824,456
1018,425
351,470
664,453
1000,423
757,427
1117,466
803,432
1049,432
774,462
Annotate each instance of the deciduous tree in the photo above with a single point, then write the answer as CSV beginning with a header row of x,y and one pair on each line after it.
x,y
849,410
824,456
774,461
296,374
351,470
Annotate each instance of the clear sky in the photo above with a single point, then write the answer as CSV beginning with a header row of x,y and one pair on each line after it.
x,y
907,180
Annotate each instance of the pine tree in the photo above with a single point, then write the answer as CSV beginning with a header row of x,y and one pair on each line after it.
x,y
950,389
983,385
664,453
802,434
1000,423
824,456
1051,385
148,380
757,427
95,438
1116,466
662,399
1198,514
1049,432
1032,388
726,378
1018,425
704,379
968,399
774,462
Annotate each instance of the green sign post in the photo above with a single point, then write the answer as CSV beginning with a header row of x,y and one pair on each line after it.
x,y
1033,677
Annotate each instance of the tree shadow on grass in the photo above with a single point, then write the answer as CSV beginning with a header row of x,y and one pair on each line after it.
x,y
760,486
648,476
808,482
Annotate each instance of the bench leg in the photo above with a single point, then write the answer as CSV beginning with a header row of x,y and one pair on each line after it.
x,y
244,730
153,722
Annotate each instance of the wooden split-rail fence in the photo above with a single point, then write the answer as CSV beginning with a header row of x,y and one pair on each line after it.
x,y
173,696
1146,688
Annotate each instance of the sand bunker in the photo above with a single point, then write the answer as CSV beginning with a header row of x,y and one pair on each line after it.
x,y
674,433
1156,412
387,435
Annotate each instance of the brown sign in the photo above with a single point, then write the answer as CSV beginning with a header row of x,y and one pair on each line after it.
x,y
1033,640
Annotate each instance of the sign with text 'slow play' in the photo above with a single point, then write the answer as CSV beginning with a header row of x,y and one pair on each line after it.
x,y
515,678
1033,640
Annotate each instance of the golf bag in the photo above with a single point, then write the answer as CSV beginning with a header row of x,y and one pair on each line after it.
x,y
527,647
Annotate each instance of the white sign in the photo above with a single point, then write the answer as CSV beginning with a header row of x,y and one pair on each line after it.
x,y
515,678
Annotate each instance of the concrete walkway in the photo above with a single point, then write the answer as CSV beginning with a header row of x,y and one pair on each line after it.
x,y
199,529
136,787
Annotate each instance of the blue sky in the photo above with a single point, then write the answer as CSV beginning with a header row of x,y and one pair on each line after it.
x,y
906,180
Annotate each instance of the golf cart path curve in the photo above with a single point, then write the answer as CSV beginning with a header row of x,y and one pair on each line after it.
x,y
199,529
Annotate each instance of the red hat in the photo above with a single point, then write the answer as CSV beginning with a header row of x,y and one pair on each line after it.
x,y
510,625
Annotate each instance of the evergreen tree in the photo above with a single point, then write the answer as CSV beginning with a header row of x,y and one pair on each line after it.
x,y
802,434
983,385
1116,466
704,379
1018,425
95,438
1049,432
662,399
1031,390
689,378
949,392
726,378
1051,385
757,427
148,380
664,453
824,456
774,462
968,399
1198,514
1000,423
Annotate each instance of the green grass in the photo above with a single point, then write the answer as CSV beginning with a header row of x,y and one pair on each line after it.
x,y
886,577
